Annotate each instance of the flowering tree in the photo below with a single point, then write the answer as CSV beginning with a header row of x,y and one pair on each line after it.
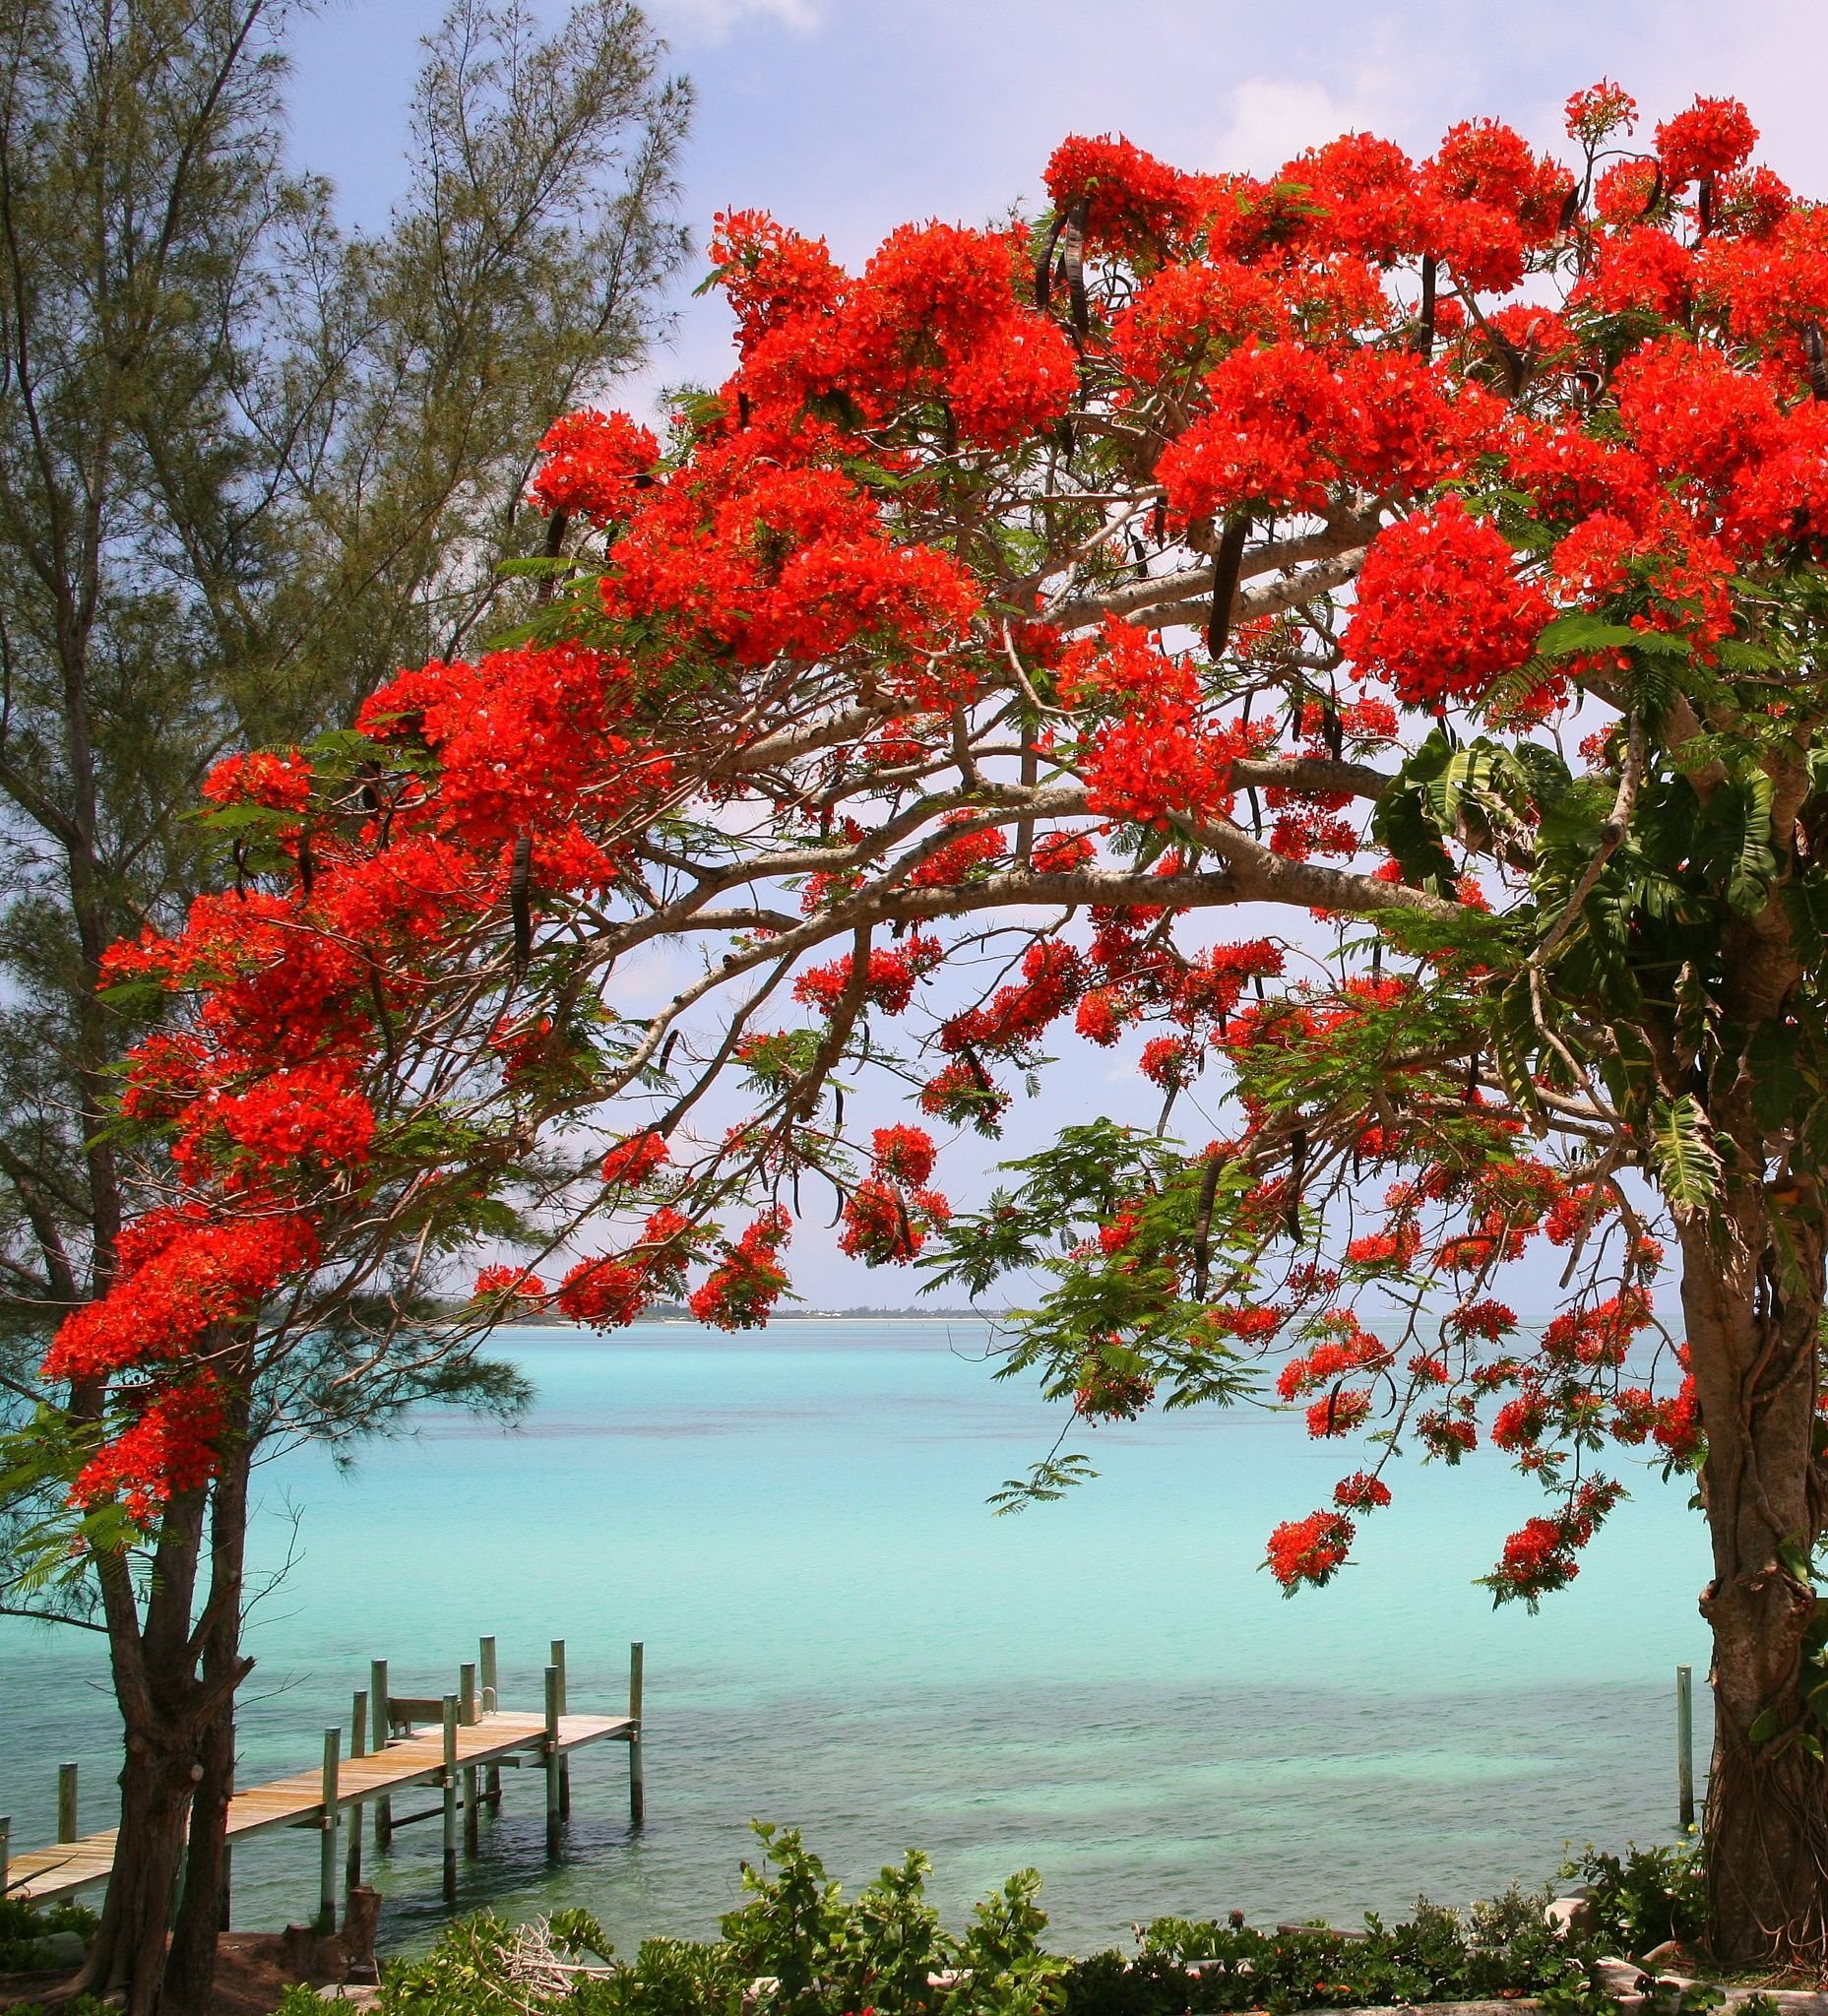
x,y
1426,555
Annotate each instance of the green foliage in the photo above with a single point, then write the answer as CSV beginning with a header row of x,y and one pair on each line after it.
x,y
799,1947
24,1925
1643,1898
1438,1955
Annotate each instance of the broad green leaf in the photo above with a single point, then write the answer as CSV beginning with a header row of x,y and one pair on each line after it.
x,y
1682,1148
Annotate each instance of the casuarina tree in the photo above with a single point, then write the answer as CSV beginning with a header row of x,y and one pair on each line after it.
x,y
1347,642
249,463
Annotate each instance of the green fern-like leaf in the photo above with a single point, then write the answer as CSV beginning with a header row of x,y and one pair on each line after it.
x,y
1687,1163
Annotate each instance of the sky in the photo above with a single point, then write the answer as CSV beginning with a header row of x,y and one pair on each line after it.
x,y
846,117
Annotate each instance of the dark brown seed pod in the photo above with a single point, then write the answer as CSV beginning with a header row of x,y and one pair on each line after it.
x,y
521,903
1813,351
1424,337
1225,566
1073,258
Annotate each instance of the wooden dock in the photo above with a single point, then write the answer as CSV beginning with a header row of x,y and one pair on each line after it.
x,y
462,1758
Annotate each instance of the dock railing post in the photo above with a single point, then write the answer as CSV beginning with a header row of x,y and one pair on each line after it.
x,y
1685,1745
6,1843
637,1790
552,1760
66,1802
449,1798
377,1710
564,1767
467,1712
491,1701
332,1813
358,1748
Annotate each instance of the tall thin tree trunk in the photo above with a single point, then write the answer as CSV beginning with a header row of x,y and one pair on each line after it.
x,y
1753,1350
156,1686
190,1972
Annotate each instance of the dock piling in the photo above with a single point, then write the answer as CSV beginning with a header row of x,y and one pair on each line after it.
x,y
467,1711
358,1748
637,1790
1685,1745
552,1760
332,1813
378,1719
228,1853
443,1740
449,1798
565,1766
491,1701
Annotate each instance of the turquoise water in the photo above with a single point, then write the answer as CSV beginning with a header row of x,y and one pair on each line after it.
x,y
841,1636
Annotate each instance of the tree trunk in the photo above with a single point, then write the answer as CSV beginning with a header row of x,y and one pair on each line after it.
x,y
1752,1342
128,1955
190,1974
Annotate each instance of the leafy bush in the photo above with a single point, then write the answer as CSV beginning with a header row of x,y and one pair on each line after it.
x,y
799,1947
1645,1896
1436,1956
23,1926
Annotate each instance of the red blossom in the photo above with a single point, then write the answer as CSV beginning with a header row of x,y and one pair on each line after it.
x,y
1311,1549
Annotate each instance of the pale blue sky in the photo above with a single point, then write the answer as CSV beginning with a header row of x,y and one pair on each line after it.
x,y
846,117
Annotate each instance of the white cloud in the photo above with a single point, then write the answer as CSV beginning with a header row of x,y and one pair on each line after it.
x,y
719,17
1272,118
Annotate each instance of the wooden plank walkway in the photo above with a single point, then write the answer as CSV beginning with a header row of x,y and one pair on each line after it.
x,y
42,1874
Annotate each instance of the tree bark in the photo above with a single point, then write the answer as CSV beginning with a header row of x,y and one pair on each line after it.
x,y
1753,1351
190,1972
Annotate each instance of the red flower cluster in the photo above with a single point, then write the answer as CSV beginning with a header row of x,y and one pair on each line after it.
x,y
596,465
747,1284
616,1289
888,982
1313,1550
1440,612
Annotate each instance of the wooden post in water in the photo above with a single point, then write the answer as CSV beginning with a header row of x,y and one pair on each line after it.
x,y
565,1765
333,1815
228,1853
377,1710
637,1790
66,1802
467,1710
358,1748
491,1701
1685,1745
449,1798
552,1760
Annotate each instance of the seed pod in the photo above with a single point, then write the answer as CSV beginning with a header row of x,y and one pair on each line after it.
x,y
520,901
1072,257
1225,566
1044,264
1424,337
307,867
1818,361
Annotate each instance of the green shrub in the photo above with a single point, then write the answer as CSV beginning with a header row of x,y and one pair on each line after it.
x,y
798,1947
1645,1896
23,1926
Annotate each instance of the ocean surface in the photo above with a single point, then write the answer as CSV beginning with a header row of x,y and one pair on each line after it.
x,y
840,1636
